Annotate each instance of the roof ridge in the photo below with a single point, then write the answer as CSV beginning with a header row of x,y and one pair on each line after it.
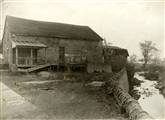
x,y
50,29
8,16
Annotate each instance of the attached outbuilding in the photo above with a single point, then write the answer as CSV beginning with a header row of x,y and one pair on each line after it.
x,y
116,57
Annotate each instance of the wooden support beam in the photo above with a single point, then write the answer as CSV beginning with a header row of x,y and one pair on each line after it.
x,y
16,49
45,56
31,56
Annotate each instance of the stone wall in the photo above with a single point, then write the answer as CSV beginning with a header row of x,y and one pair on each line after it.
x,y
131,106
123,81
124,100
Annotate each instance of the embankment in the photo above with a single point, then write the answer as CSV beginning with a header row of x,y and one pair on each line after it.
x,y
124,100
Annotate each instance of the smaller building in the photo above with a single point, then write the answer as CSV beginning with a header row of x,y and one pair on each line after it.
x,y
115,56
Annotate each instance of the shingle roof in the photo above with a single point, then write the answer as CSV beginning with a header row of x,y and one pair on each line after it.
x,y
117,48
20,26
28,43
114,47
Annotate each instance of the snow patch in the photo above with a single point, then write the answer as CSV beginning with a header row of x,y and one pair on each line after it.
x,y
151,100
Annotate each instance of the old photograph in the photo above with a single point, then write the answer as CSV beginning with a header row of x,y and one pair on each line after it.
x,y
82,59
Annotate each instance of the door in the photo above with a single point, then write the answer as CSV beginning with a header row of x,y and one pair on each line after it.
x,y
34,56
61,55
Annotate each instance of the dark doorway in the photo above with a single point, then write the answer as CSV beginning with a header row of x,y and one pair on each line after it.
x,y
61,55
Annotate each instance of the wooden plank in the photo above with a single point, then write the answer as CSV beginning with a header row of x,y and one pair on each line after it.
x,y
38,67
16,55
31,56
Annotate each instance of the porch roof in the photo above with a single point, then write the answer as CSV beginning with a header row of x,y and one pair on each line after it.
x,y
27,43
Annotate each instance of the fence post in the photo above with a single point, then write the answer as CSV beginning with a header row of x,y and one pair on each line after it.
x,y
16,49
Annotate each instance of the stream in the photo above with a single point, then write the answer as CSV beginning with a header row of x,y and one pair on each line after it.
x,y
150,100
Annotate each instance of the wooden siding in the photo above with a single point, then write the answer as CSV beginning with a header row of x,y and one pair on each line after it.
x,y
92,49
90,52
7,50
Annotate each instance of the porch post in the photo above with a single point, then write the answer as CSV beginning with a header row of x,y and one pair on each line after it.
x,y
16,49
45,56
31,54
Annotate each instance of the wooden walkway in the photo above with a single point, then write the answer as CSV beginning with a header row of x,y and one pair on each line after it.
x,y
38,67
14,106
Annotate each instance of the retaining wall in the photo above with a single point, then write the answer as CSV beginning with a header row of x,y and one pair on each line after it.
x,y
124,100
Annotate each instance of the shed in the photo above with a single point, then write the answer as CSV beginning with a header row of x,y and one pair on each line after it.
x,y
115,56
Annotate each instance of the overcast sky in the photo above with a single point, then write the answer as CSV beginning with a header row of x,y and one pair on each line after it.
x,y
123,23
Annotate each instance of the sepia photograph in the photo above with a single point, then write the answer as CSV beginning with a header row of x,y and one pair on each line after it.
x,y
82,60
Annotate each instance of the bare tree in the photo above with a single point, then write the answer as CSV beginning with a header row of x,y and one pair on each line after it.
x,y
132,58
147,48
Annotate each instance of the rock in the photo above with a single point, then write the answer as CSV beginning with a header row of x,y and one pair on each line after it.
x,y
57,76
159,86
47,88
96,83
163,91
44,74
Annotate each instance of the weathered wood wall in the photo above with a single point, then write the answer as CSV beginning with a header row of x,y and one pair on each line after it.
x,y
91,48
118,62
99,68
6,45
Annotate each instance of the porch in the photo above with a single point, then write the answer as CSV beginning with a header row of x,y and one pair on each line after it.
x,y
33,56
27,57
25,54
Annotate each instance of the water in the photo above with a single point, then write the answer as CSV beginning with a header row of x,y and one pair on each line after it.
x,y
151,100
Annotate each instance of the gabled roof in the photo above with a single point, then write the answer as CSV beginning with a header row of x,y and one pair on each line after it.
x,y
113,47
20,26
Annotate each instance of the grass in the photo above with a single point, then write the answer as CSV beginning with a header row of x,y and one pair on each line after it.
x,y
66,100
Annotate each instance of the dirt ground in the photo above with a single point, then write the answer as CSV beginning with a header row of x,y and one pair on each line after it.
x,y
60,99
